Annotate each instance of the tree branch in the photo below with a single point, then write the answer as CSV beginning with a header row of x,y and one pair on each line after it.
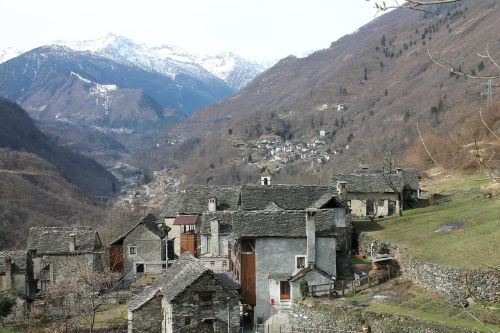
x,y
489,129
425,146
453,69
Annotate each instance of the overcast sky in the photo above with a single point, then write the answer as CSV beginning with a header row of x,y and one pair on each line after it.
x,y
257,29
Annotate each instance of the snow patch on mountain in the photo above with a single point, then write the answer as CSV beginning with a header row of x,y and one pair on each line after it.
x,y
102,92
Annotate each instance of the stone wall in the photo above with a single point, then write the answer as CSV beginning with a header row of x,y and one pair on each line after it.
x,y
349,320
188,304
456,284
148,318
148,248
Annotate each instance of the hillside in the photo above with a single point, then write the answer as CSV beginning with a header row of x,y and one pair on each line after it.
x,y
129,104
33,192
384,82
17,133
453,231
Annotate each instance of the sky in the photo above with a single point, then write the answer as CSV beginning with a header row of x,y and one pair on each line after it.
x,y
261,30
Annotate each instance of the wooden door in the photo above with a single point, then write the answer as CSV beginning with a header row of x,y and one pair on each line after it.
x,y
284,290
188,243
116,258
248,278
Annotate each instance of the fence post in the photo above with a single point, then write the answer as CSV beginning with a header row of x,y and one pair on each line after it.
x,y
330,290
343,287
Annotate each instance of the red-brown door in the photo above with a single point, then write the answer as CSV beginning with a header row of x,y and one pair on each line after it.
x,y
188,243
116,258
248,278
284,290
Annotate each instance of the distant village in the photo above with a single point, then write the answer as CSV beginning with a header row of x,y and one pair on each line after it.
x,y
217,258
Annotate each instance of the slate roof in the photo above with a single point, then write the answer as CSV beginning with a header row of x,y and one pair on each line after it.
x,y
18,258
173,281
55,240
411,179
225,226
283,223
172,206
151,223
368,182
194,199
287,197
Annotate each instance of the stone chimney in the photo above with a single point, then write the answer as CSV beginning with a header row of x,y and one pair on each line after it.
x,y
8,273
72,243
311,236
342,190
212,205
214,237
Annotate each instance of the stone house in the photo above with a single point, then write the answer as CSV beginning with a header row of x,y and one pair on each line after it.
x,y
142,250
193,201
369,192
273,251
16,275
56,251
188,297
262,239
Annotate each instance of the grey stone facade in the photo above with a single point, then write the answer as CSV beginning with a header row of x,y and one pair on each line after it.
x,y
275,261
56,251
188,297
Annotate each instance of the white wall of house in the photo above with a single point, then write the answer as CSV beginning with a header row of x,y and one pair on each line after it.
x,y
174,233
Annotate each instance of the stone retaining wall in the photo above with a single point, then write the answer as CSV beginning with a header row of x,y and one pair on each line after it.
x,y
346,319
456,284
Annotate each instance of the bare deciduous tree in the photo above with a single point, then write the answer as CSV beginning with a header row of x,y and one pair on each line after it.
x,y
82,295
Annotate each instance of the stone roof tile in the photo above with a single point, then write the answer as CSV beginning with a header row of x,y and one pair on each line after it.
x,y
55,240
19,259
173,281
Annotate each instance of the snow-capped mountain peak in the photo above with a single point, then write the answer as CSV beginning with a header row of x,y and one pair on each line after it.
x,y
8,53
171,60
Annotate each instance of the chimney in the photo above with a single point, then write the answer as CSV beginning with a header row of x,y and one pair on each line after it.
x,y
342,190
8,273
212,205
72,243
214,237
311,236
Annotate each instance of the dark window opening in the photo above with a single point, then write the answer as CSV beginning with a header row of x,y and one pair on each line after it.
x,y
187,321
139,268
301,262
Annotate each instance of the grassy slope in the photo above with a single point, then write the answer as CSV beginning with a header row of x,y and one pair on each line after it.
x,y
473,246
409,300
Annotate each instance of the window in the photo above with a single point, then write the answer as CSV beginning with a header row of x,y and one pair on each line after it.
x,y
139,268
348,203
300,262
206,300
212,264
44,286
187,321
132,250
224,265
